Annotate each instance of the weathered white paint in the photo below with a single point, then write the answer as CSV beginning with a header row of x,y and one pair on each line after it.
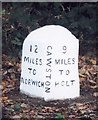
x,y
50,64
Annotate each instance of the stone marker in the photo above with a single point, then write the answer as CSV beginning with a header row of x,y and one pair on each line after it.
x,y
50,64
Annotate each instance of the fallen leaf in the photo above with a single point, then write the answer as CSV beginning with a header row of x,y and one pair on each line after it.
x,y
23,105
93,62
1,87
10,102
4,99
81,106
16,117
25,110
95,94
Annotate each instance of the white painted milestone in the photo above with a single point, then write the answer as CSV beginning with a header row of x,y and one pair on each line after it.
x,y
49,67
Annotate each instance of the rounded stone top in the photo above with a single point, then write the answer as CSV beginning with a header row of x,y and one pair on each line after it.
x,y
50,32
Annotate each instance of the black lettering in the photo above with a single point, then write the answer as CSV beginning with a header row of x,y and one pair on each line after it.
x,y
72,82
26,59
48,53
69,62
48,70
29,82
22,80
36,49
33,82
67,72
56,83
64,49
62,61
47,83
25,81
67,83
61,72
62,83
49,76
49,62
34,72
57,61
73,60
42,84
30,48
49,47
39,84
65,62
47,90
32,61
30,69
36,61
40,60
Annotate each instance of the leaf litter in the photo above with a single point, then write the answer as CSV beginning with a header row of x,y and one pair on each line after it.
x,y
16,105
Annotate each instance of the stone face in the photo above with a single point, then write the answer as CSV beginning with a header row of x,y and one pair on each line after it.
x,y
50,64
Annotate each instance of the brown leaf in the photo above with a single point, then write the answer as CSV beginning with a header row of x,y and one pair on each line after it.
x,y
81,106
93,62
23,105
82,71
1,87
4,99
95,94
10,102
16,117
25,110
